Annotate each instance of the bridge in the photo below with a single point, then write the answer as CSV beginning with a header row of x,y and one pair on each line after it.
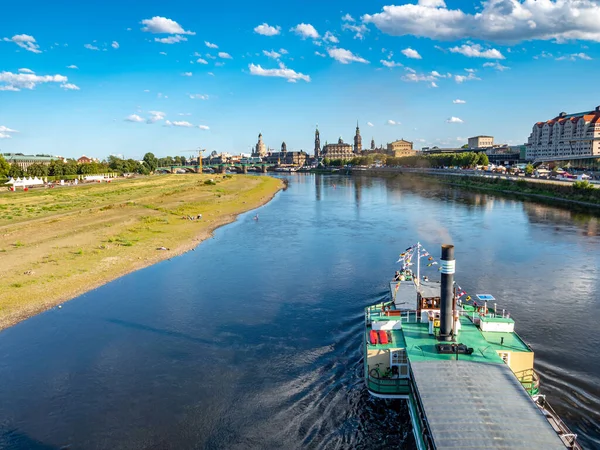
x,y
218,168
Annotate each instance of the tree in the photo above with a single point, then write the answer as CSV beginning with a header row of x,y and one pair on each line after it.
x,y
37,170
15,171
56,168
465,146
529,169
484,160
70,167
4,167
150,161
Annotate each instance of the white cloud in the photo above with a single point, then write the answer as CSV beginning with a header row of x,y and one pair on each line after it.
x,y
24,70
282,72
267,30
176,123
414,77
370,124
574,57
497,20
475,51
410,53
5,136
210,44
162,25
390,64
199,96
204,127
16,81
283,51
433,84
211,74
114,44
348,18
186,74
208,55
90,47
133,118
454,120
25,41
305,30
155,116
496,65
69,87
272,54
392,122
458,101
171,39
463,78
201,61
358,30
219,64
345,56
72,66
544,54
7,130
224,55
323,55
329,37
162,53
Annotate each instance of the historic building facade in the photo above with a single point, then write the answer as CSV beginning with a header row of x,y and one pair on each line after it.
x,y
24,161
567,135
339,150
260,149
317,143
400,148
357,140
284,157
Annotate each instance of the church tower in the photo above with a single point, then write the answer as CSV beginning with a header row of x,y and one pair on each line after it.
x,y
261,149
357,140
317,143
372,144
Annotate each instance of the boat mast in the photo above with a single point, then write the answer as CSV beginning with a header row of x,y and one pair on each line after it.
x,y
418,264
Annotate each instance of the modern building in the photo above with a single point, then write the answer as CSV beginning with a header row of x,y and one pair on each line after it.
x,y
400,148
481,141
567,136
24,161
260,149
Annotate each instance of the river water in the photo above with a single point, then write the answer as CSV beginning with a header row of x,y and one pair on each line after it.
x,y
254,339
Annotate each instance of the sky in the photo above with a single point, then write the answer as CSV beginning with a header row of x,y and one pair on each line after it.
x,y
126,78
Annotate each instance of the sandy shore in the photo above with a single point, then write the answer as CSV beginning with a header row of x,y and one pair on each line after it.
x,y
57,244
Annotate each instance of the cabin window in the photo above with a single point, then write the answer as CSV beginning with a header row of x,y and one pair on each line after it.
x,y
505,357
399,359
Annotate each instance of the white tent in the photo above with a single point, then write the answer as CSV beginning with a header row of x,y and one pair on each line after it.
x,y
26,182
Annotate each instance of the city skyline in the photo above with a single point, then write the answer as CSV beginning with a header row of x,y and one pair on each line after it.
x,y
171,78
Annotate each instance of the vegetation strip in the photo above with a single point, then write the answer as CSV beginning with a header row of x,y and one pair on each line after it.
x,y
56,244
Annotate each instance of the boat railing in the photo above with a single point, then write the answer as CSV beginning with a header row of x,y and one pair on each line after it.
x,y
530,380
387,385
569,439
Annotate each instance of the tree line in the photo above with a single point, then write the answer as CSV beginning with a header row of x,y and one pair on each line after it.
x,y
463,160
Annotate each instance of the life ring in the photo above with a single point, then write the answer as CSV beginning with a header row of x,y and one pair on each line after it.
x,y
482,310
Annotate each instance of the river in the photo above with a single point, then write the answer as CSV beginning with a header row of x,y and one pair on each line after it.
x,y
253,340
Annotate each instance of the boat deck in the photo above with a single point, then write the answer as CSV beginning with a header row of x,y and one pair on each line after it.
x,y
472,405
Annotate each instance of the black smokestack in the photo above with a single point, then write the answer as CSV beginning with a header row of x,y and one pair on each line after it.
x,y
446,292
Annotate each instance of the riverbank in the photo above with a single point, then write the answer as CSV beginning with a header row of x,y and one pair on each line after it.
x,y
558,191
56,244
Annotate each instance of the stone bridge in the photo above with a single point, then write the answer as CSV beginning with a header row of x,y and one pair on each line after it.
x,y
218,168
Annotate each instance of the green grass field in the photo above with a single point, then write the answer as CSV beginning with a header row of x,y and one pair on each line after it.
x,y
58,243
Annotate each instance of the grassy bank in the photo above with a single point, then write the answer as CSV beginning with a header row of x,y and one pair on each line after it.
x,y
58,243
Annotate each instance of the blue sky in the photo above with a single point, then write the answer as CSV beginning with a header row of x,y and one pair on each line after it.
x,y
128,77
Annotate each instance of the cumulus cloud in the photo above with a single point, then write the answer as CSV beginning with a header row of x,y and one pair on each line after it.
x,y
414,77
224,55
114,44
305,30
155,116
345,56
171,39
25,41
392,122
133,118
186,74
496,65
201,61
90,47
5,132
462,78
16,81
323,55
283,51
267,30
282,72
24,70
433,84
203,127
330,37
454,120
199,96
574,57
370,124
162,25
69,87
497,20
72,66
390,64
210,44
182,123
476,51
358,30
162,53
272,54
410,53
348,18
458,101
